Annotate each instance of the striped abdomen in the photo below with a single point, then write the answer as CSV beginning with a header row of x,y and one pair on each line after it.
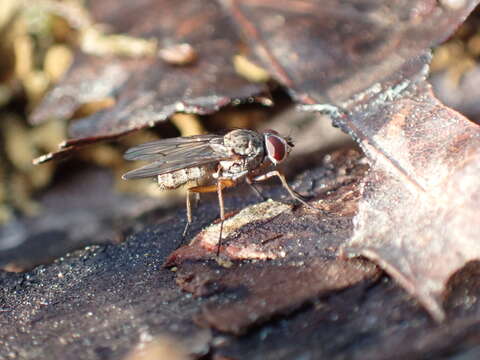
x,y
178,178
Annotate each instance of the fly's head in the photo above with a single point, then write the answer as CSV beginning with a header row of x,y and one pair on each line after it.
x,y
277,146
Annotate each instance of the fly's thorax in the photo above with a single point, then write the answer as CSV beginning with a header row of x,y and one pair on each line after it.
x,y
246,143
233,169
178,178
247,146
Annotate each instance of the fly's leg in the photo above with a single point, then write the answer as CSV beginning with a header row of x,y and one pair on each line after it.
x,y
292,192
189,213
218,187
222,213
196,199
251,183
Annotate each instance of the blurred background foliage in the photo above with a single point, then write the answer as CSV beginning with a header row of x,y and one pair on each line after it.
x,y
37,44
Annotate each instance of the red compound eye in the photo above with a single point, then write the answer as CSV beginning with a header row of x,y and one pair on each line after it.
x,y
276,148
270,131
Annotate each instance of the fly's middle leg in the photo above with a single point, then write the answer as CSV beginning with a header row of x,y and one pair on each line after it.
x,y
251,183
218,187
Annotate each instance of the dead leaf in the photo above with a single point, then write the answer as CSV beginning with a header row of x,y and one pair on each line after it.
x,y
418,217
366,65
326,52
261,292
148,89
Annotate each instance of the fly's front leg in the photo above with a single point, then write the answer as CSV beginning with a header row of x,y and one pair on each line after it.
x,y
292,192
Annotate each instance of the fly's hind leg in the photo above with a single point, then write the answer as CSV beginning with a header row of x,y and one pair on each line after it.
x,y
195,191
292,192
189,212
218,187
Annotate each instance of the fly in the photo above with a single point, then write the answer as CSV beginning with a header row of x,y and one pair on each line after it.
x,y
214,161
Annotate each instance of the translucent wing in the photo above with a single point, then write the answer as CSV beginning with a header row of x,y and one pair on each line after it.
x,y
175,154
161,148
159,168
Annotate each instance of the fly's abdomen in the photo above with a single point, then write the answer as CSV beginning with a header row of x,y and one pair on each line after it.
x,y
178,178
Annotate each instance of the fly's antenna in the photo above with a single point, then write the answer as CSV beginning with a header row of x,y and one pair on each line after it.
x,y
289,138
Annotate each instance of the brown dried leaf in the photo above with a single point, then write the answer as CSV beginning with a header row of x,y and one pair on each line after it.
x,y
419,218
326,52
148,89
420,200
261,292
